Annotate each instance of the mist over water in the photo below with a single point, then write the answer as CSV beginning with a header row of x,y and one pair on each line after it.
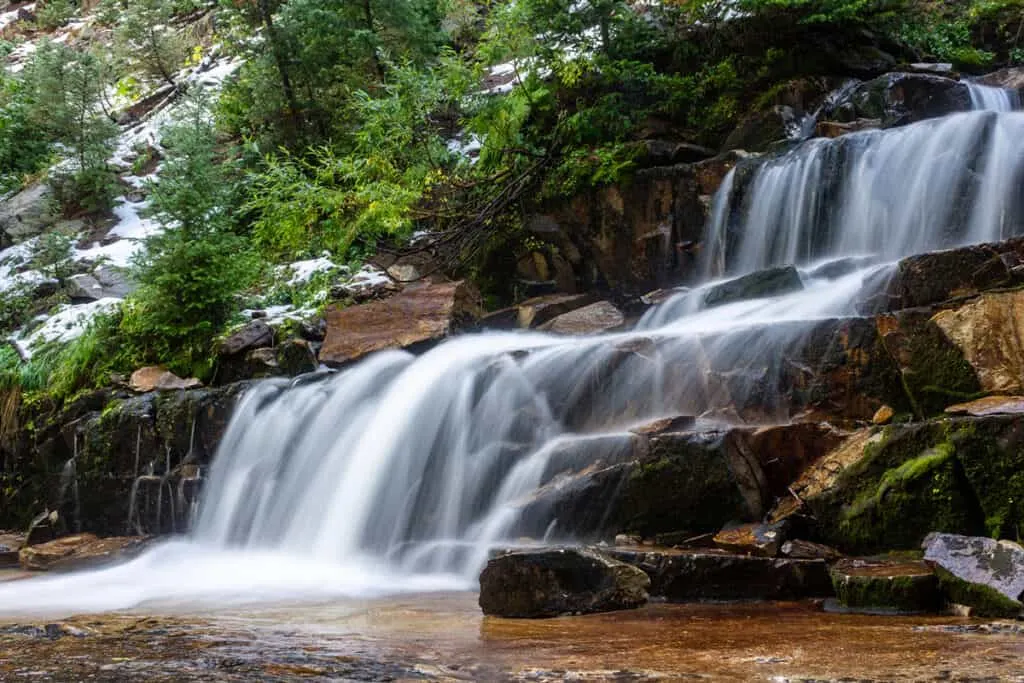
x,y
401,472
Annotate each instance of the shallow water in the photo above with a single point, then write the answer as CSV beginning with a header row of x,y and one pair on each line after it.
x,y
444,637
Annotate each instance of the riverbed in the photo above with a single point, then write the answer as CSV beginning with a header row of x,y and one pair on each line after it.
x,y
444,637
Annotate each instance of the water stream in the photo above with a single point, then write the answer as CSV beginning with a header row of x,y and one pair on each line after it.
x,y
400,473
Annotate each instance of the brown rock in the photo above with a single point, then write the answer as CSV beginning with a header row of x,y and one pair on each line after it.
x,y
255,335
833,129
990,333
990,405
420,313
762,540
593,319
81,550
883,415
799,549
1011,78
539,310
155,378
10,544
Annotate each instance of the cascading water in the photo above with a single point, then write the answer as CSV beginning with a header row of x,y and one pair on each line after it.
x,y
402,471
989,98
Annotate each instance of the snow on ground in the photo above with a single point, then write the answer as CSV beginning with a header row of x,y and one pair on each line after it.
x,y
278,315
11,16
131,228
11,260
366,281
300,272
66,324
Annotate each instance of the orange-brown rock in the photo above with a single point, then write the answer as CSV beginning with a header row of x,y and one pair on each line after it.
x,y
421,313
883,415
990,333
593,319
990,405
78,551
155,378
539,310
761,540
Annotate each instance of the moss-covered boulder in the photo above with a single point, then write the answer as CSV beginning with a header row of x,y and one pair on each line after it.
x,y
885,584
981,573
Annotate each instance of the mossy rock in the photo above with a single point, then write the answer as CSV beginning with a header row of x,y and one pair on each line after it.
x,y
991,451
905,486
984,601
886,584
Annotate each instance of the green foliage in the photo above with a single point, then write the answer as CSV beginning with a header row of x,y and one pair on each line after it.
x,y
146,38
191,272
55,13
24,144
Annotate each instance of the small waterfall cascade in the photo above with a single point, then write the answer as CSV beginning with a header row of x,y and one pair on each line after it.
x,y
990,98
402,471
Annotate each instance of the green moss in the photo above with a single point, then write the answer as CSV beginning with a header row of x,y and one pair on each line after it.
x,y
985,602
991,451
916,593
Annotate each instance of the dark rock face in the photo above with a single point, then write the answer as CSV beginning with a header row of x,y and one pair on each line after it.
x,y
985,574
421,313
763,283
681,576
879,584
901,98
557,581
255,335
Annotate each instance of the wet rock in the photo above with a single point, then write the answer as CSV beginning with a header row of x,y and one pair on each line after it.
x,y
593,319
10,544
990,405
28,213
983,573
990,333
1011,78
834,129
882,584
540,310
806,550
933,369
557,581
759,131
255,335
762,540
155,378
883,490
939,276
763,283
76,552
901,98
421,313
631,237
313,329
262,363
683,575
669,152
296,357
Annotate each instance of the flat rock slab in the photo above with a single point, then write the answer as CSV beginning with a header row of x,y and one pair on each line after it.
x,y
683,575
982,573
885,584
763,540
593,319
551,582
79,551
156,378
420,313
990,405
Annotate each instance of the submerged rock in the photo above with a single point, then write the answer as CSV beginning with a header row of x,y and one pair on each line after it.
x,y
421,313
882,584
557,581
763,283
684,575
982,573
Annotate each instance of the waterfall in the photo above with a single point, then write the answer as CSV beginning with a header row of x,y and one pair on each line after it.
x,y
989,98
400,472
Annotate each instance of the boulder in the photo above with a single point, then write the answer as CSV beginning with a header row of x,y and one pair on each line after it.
x,y
261,363
296,357
28,213
901,98
982,573
10,544
686,575
420,314
79,551
540,310
105,282
558,581
990,333
255,335
155,378
761,130
884,584
593,319
761,284
762,540
1011,78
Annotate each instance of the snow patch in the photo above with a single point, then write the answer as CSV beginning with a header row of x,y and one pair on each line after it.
x,y
66,324
300,272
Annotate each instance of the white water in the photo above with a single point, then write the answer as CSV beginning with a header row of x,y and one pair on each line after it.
x,y
400,473
989,98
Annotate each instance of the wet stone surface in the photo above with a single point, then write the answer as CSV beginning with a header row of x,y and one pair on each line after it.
x,y
443,637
